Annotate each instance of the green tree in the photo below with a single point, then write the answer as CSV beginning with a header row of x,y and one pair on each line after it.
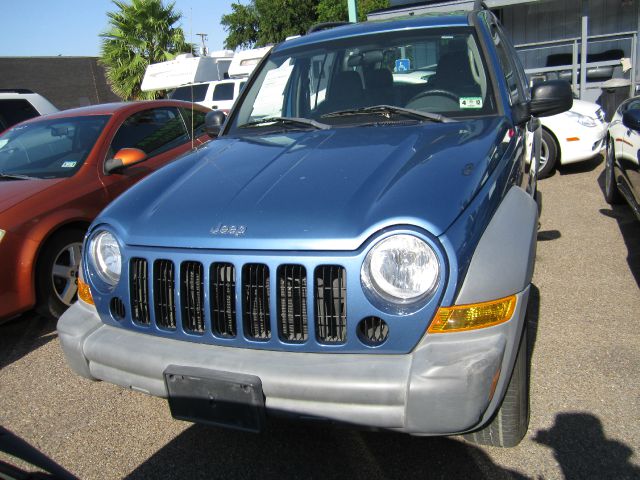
x,y
261,22
267,21
337,10
141,33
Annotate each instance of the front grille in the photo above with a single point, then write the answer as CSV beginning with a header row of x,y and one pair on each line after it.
x,y
292,303
140,291
192,296
331,303
223,299
255,301
164,296
185,296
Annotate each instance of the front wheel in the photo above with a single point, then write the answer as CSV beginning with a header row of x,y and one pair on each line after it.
x,y
611,193
510,423
57,272
548,155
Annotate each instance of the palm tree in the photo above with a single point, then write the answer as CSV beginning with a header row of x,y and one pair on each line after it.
x,y
140,33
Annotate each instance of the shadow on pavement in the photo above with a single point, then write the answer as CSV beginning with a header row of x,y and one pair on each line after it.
x,y
315,451
583,451
533,317
581,167
629,227
22,335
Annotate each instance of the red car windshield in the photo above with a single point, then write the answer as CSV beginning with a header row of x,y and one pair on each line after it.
x,y
54,148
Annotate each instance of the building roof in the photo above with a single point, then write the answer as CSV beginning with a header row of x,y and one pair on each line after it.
x,y
66,82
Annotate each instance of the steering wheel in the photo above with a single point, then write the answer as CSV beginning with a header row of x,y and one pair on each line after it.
x,y
436,91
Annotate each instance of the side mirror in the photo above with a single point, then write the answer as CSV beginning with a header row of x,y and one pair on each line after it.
x,y
124,158
631,119
550,98
213,122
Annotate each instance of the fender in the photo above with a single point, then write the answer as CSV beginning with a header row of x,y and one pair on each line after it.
x,y
503,261
37,236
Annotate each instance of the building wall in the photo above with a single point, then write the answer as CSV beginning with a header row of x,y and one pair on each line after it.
x,y
67,82
562,19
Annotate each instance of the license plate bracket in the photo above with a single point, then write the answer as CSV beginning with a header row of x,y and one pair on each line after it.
x,y
215,397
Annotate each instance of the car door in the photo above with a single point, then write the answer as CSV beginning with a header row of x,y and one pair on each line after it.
x,y
630,157
160,132
528,135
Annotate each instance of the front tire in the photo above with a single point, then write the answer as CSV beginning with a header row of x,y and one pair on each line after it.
x,y
611,193
56,275
548,155
510,423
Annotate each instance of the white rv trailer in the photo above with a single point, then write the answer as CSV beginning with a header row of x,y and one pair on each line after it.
x,y
187,69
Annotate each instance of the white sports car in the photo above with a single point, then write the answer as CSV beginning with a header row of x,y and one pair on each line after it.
x,y
572,136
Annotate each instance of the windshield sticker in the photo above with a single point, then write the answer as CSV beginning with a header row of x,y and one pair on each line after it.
x,y
470,102
3,142
271,96
69,164
402,65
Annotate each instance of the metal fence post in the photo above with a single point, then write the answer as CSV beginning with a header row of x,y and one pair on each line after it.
x,y
634,59
583,55
574,68
353,11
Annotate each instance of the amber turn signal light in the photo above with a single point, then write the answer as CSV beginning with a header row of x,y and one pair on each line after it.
x,y
474,316
84,293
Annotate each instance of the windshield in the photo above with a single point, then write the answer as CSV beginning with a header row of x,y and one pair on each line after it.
x,y
190,93
437,71
53,148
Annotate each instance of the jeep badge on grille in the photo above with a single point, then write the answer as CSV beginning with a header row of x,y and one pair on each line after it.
x,y
235,230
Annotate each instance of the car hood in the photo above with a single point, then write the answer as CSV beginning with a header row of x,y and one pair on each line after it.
x,y
585,108
325,189
13,191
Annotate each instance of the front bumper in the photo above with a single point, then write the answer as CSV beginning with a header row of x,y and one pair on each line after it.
x,y
591,142
444,386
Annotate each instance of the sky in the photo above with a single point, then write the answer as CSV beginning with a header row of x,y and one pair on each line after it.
x,y
71,27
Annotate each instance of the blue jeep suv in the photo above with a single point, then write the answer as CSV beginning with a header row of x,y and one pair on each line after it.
x,y
357,245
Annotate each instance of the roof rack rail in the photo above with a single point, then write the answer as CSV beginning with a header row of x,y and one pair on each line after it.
x,y
318,27
477,5
15,90
480,5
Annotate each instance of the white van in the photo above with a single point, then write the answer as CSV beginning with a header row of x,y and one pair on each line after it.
x,y
218,95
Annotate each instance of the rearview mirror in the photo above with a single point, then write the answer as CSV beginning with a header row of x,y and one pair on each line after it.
x,y
631,119
550,98
125,157
213,122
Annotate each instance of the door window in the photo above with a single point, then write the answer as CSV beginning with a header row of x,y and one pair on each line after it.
x,y
15,111
194,119
152,131
223,91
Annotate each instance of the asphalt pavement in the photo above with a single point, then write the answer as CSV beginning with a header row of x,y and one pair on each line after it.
x,y
585,384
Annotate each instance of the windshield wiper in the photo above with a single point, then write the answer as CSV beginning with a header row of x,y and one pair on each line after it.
x,y
16,176
294,121
388,110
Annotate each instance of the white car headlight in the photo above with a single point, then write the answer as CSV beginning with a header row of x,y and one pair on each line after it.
x,y
2,232
104,253
583,120
401,269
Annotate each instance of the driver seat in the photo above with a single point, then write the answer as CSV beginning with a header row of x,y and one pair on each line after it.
x,y
453,74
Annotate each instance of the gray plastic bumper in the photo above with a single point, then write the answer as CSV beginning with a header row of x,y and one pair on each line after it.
x,y
442,387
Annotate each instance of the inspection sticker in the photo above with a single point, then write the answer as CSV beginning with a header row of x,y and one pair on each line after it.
x,y
69,164
470,102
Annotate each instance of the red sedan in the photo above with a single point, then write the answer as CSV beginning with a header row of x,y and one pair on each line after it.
x,y
57,172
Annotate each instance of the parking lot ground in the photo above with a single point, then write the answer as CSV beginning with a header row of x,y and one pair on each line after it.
x,y
584,323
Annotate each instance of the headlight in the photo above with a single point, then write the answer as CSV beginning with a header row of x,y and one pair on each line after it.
x,y
401,269
2,232
104,253
583,119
